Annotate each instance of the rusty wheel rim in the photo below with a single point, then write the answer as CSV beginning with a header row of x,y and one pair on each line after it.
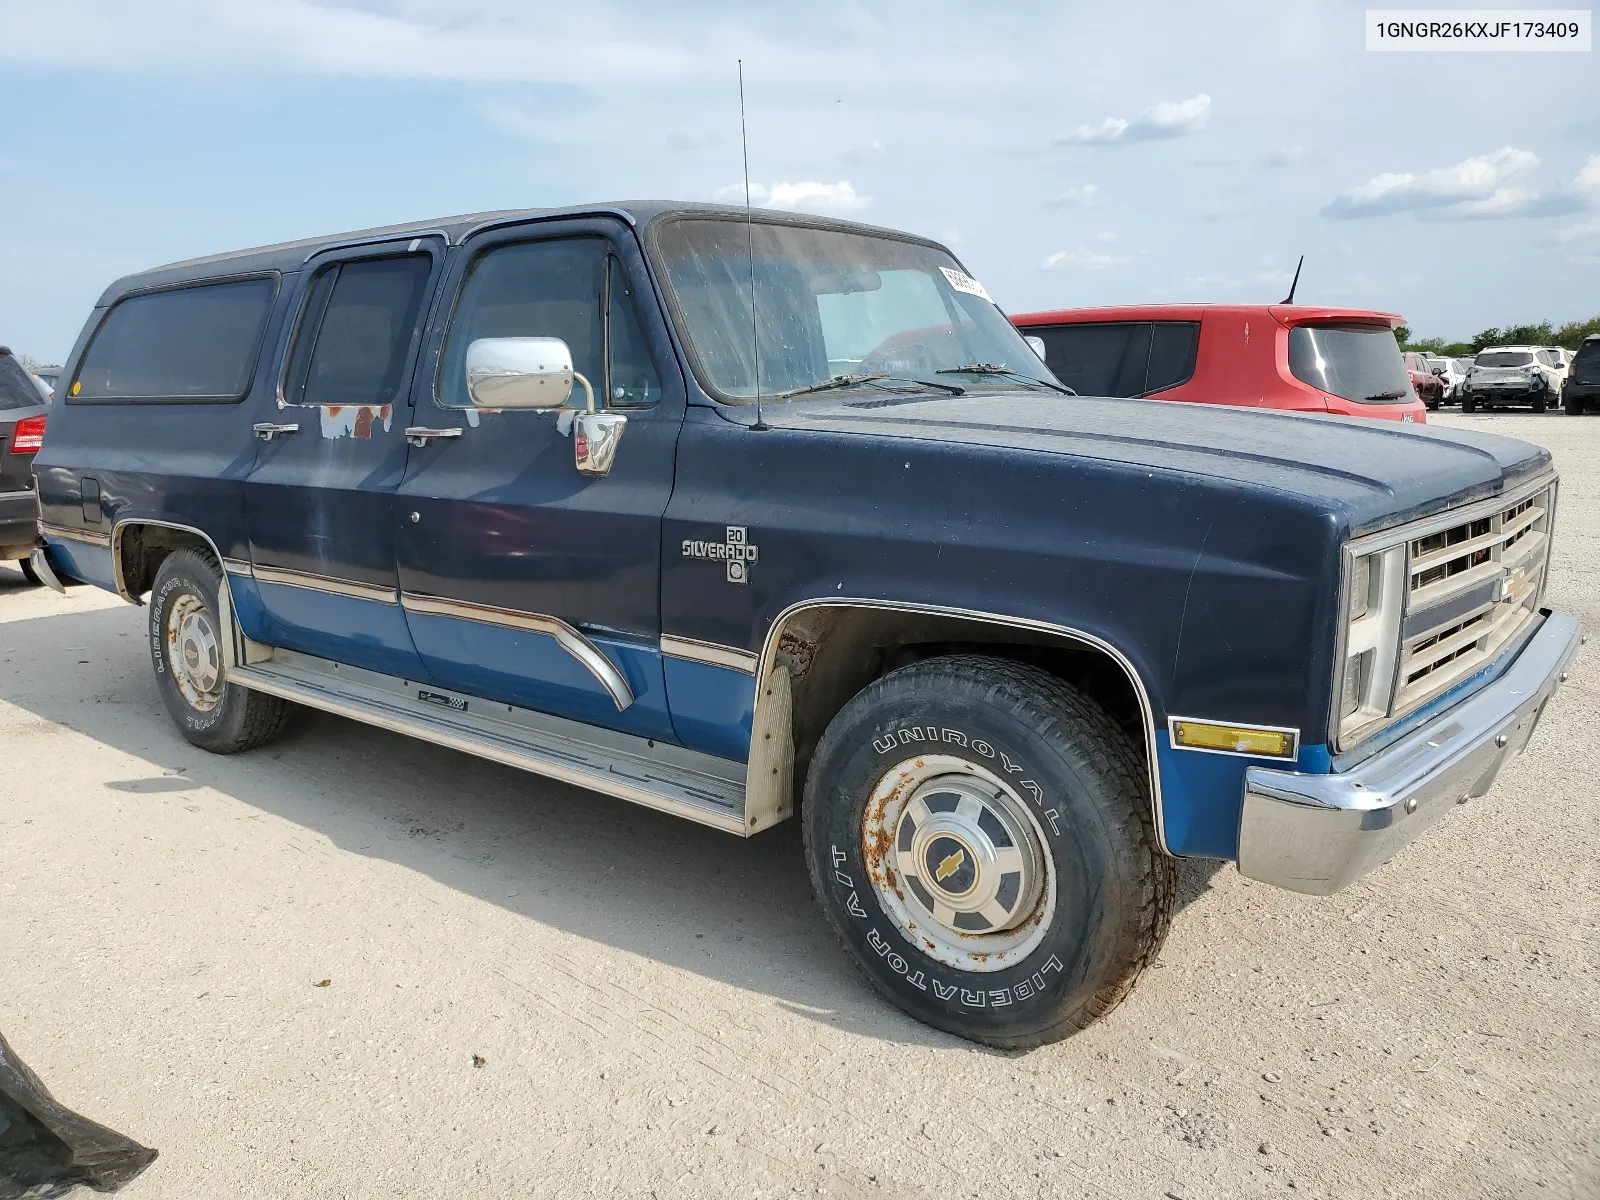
x,y
193,652
959,862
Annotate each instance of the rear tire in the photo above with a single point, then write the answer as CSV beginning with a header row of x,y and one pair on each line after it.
x,y
1572,406
979,835
1468,404
186,651
1540,403
29,573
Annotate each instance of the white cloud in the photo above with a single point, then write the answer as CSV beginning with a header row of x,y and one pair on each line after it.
x,y
1480,180
1082,259
1577,232
1169,119
1077,197
1477,189
826,199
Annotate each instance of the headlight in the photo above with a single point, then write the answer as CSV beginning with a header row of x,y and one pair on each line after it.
x,y
1374,591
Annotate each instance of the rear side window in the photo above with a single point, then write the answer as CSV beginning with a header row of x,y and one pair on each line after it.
x,y
355,334
16,388
195,343
1121,358
1362,363
1106,359
1173,345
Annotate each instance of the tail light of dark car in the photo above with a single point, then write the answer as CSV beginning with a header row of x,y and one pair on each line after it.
x,y
28,436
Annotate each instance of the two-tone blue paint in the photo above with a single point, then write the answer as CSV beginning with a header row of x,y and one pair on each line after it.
x,y
1197,541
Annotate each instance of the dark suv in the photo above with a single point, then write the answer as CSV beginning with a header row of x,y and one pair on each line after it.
x,y
23,410
1580,391
734,518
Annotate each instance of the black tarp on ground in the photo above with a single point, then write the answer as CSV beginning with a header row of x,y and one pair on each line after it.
x,y
47,1150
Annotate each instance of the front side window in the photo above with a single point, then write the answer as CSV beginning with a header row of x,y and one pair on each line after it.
x,y
1362,363
572,289
830,303
356,331
193,343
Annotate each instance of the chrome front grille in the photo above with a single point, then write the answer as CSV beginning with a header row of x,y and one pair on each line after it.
x,y
1471,588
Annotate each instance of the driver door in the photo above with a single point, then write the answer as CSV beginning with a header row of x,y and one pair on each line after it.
x,y
516,569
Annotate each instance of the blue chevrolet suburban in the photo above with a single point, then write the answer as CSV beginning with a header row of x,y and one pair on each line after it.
x,y
737,516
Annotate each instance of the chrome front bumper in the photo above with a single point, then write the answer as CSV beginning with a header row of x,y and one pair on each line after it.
x,y
1319,833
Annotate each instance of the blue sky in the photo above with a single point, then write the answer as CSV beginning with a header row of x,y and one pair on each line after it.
x,y
1069,153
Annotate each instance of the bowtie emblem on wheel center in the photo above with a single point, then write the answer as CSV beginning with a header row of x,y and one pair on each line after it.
x,y
738,553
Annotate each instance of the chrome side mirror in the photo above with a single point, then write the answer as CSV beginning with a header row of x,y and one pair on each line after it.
x,y
537,373
1037,344
519,372
594,440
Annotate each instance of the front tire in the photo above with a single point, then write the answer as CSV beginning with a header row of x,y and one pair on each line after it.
x,y
979,835
1468,404
186,651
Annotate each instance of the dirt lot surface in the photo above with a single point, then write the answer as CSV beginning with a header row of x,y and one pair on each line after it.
x,y
537,991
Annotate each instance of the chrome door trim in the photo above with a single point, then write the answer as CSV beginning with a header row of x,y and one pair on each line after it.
x,y
87,536
567,637
238,566
326,583
14,495
769,654
711,653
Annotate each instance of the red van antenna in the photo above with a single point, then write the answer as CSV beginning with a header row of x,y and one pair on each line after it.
x,y
750,251
1289,299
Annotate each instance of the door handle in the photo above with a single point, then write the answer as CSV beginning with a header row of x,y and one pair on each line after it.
x,y
266,431
419,435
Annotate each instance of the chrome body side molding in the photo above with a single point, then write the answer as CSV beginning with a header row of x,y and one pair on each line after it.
x,y
769,655
88,537
711,653
567,637
685,783
326,583
238,566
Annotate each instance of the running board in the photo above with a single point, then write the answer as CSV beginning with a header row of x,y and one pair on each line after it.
x,y
685,783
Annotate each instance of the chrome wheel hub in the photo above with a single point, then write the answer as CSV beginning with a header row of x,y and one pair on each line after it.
x,y
193,653
958,861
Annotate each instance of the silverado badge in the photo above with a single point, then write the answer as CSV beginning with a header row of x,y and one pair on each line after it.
x,y
738,553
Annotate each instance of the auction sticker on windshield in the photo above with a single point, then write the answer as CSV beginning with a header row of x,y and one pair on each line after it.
x,y
965,283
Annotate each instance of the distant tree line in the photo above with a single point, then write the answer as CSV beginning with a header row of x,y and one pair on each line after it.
x,y
1542,334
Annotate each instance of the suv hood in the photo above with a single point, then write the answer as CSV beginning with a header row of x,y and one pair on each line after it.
x,y
1372,473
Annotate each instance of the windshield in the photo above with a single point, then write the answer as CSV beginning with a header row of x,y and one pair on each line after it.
x,y
1588,355
833,303
1355,362
1505,358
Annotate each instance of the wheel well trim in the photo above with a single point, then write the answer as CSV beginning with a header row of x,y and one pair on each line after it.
x,y
769,655
140,522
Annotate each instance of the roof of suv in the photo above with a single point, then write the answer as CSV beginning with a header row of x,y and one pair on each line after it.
x,y
291,256
1286,314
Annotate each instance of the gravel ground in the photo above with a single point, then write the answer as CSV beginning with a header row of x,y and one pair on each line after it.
x,y
351,965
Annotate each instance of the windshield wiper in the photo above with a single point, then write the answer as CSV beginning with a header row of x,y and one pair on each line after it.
x,y
1002,369
844,381
1385,396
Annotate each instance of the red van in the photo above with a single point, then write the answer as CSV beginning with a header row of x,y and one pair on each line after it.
x,y
1286,356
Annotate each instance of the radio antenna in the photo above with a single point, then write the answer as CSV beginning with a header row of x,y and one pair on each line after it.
x,y
1289,299
750,251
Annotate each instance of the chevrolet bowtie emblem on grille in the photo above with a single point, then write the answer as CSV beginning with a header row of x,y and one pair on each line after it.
x,y
738,553
950,865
